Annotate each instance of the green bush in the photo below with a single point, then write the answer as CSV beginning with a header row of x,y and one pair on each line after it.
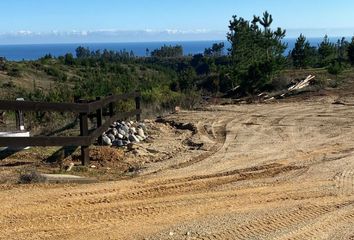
x,y
335,68
9,84
14,72
55,72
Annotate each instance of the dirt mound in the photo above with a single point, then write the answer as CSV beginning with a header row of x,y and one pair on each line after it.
x,y
106,156
102,157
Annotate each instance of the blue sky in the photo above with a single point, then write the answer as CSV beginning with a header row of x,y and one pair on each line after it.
x,y
37,21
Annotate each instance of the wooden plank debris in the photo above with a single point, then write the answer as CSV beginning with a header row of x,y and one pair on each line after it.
x,y
302,84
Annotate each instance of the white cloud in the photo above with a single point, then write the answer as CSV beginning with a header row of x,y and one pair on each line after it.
x,y
116,35
150,30
109,35
21,33
173,31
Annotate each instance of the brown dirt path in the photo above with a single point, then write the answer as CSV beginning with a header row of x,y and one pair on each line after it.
x,y
273,171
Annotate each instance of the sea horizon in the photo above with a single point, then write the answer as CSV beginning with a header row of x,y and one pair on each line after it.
x,y
34,51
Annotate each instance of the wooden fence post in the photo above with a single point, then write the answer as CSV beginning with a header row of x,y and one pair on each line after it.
x,y
138,107
84,109
111,108
20,121
99,121
85,151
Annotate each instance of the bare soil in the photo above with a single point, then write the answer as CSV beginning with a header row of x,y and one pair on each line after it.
x,y
282,170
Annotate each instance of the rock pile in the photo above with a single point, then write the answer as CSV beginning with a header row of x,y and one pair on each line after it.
x,y
121,134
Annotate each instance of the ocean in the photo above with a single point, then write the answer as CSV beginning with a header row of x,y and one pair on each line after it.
x,y
35,51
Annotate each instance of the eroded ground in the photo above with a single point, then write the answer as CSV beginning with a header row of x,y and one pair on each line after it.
x,y
268,171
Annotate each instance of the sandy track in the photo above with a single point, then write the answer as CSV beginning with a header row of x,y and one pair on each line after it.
x,y
275,171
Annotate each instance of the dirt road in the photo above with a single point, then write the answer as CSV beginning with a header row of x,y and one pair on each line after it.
x,y
271,171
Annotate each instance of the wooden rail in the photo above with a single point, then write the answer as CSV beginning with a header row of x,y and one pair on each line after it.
x,y
84,108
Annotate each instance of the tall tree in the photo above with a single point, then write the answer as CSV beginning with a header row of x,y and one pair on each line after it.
x,y
303,53
326,51
187,79
215,51
256,51
168,52
69,59
266,21
351,51
342,50
82,52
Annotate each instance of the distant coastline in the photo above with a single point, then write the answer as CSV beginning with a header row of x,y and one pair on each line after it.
x,y
18,52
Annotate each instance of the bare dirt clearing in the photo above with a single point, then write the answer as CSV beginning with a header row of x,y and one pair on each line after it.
x,y
270,171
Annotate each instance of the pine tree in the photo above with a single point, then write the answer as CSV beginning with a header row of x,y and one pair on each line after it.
x,y
351,51
215,51
342,50
303,53
326,51
256,51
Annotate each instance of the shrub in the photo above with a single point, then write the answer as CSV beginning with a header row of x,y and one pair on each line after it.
x,y
9,84
55,72
14,72
335,68
69,59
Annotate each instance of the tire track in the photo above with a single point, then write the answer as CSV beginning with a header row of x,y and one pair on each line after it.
x,y
323,226
217,135
195,185
94,215
288,193
265,227
165,185
345,182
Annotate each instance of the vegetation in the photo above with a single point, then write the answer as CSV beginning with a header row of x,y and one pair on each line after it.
x,y
217,50
166,77
351,51
326,52
168,52
256,53
303,55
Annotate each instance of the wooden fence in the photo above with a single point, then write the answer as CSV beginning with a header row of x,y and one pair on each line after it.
x,y
84,109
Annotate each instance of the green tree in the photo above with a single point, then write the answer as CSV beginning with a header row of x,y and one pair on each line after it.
x,y
200,64
302,54
69,59
2,63
168,52
326,51
255,47
335,68
266,21
82,52
350,51
211,83
342,50
215,51
187,79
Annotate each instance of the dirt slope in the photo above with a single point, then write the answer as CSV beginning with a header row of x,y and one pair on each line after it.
x,y
271,171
